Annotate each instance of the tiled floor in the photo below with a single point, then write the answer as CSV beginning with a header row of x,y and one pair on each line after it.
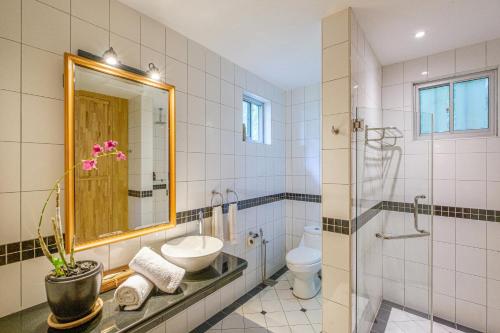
x,y
392,318
268,310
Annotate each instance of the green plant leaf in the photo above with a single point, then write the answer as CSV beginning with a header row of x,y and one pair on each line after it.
x,y
58,265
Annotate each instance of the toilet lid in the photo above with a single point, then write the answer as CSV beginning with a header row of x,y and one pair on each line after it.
x,y
303,256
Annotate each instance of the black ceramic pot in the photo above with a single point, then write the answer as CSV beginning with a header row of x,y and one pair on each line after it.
x,y
72,298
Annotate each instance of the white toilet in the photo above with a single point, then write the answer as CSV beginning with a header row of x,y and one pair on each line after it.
x,y
305,262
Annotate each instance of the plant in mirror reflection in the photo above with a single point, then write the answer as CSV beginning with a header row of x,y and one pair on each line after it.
x,y
62,266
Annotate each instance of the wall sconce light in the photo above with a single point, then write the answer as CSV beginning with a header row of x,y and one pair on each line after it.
x,y
154,72
110,57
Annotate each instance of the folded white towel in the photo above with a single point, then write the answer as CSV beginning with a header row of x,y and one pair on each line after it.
x,y
133,292
231,218
165,275
217,223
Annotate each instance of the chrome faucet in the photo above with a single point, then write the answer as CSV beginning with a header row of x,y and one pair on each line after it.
x,y
200,222
415,211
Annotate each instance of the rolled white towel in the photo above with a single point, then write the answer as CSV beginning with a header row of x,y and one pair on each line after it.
x,y
133,292
231,218
165,275
218,223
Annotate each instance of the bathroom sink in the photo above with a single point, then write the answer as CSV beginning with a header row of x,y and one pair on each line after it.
x,y
193,253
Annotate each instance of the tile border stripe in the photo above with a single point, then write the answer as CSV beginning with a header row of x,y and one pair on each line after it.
x,y
338,225
24,250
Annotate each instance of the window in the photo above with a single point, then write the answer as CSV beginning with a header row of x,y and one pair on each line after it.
x,y
461,106
253,119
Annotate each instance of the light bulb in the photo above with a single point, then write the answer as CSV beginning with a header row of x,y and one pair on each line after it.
x,y
110,57
154,72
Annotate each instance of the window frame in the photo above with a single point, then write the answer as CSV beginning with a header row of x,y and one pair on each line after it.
x,y
491,74
248,129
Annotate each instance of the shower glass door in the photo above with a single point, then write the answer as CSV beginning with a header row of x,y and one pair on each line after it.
x,y
391,240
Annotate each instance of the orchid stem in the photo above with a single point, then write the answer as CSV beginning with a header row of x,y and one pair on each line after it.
x,y
58,228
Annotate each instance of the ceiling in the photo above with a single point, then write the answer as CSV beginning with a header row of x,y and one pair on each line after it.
x,y
280,40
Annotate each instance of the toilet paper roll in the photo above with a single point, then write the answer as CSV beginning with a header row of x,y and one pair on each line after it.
x,y
250,241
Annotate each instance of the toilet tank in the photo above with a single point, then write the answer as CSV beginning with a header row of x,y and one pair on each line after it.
x,y
312,237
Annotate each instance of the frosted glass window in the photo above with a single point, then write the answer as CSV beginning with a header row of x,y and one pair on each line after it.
x,y
471,104
436,101
458,106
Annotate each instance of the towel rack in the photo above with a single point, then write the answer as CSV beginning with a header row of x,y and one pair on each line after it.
x,y
384,133
214,193
229,191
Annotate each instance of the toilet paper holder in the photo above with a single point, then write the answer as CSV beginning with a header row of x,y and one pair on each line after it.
x,y
252,236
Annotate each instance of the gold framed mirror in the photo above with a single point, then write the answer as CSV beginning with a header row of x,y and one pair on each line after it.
x,y
120,199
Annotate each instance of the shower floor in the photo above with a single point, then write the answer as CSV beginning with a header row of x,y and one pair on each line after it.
x,y
392,318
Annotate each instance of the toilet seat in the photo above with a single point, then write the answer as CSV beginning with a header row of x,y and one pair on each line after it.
x,y
313,268
303,256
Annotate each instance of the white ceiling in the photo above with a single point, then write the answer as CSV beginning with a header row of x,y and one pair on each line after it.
x,y
280,40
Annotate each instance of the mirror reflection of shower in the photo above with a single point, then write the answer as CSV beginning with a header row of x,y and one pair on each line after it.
x,y
160,163
160,117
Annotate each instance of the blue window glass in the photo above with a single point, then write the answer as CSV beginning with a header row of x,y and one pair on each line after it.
x,y
471,104
246,115
253,119
435,101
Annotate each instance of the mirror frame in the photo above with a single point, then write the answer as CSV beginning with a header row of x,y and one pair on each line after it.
x,y
70,63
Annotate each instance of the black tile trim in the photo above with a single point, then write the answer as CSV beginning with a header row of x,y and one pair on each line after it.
x,y
338,226
209,323
147,193
406,207
140,194
446,211
303,197
192,215
380,323
365,217
28,249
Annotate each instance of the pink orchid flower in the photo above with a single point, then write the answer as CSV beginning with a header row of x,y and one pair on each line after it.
x,y
97,149
110,145
88,165
120,156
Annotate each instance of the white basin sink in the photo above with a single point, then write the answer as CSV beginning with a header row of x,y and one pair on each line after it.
x,y
193,253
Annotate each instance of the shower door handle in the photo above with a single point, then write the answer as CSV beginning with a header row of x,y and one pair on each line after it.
x,y
415,212
416,235
419,233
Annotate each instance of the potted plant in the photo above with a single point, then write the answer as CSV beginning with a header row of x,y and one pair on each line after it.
x,y
72,287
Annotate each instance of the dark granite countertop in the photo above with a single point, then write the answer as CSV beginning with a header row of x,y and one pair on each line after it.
x,y
158,308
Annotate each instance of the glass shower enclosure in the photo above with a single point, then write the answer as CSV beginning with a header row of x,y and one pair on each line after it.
x,y
391,233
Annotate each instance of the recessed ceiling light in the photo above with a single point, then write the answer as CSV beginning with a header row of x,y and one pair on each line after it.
x,y
420,34
424,73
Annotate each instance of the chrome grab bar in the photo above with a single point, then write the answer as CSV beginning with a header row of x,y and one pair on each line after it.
x,y
417,235
420,232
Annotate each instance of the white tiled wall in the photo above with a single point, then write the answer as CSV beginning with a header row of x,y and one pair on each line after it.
x,y
366,181
335,164
302,135
210,152
465,175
